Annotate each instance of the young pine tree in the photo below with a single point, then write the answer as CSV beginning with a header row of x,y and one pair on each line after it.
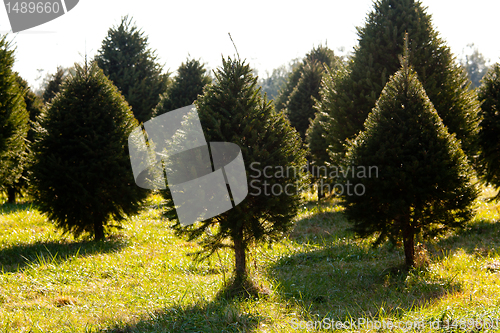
x,y
489,135
317,134
187,85
82,174
54,84
232,109
13,120
423,184
300,107
132,66
34,106
381,41
321,55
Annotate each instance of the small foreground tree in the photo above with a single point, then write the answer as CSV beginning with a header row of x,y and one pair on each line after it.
x,y
82,175
233,110
423,180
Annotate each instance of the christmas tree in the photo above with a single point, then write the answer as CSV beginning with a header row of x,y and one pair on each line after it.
x,y
82,175
376,57
233,110
34,106
185,88
13,120
132,66
319,55
489,135
409,175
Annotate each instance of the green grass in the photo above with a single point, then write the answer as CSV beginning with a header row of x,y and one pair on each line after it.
x,y
142,278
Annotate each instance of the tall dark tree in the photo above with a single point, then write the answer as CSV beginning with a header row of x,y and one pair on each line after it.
x,y
13,119
54,84
232,109
489,135
82,176
376,57
34,106
127,60
185,88
422,183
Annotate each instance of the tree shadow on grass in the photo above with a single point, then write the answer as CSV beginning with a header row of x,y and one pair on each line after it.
x,y
220,315
341,278
342,282
482,237
18,256
8,208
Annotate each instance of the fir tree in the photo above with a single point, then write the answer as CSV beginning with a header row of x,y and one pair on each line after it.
x,y
233,110
13,120
132,66
34,106
321,55
489,135
187,85
422,183
376,57
82,176
300,106
54,84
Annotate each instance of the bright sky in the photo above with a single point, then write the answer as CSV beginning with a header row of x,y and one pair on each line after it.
x,y
268,33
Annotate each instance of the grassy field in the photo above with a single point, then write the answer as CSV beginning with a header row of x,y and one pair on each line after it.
x,y
142,279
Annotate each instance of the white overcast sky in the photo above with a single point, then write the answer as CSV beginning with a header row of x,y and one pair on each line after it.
x,y
267,33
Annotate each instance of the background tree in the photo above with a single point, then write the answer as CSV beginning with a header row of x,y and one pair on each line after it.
x,y
233,110
489,135
273,83
82,175
381,40
424,181
132,66
321,55
185,88
300,106
34,106
475,64
13,119
53,85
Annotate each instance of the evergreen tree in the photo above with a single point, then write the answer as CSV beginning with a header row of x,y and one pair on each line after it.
x,y
299,108
54,84
321,55
132,66
34,106
13,120
422,183
318,138
187,85
376,57
82,176
489,135
233,110
275,82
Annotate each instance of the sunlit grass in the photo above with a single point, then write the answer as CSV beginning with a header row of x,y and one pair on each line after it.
x,y
142,278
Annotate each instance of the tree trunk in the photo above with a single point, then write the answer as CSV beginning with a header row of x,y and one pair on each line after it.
x,y
98,231
409,245
240,264
11,195
321,194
